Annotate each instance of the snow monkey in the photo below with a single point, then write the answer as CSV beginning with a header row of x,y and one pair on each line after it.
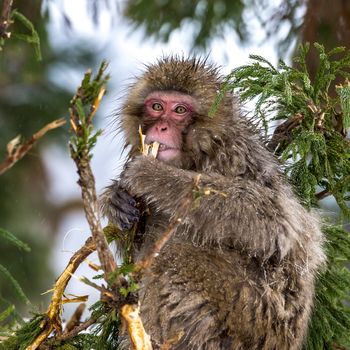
x,y
239,269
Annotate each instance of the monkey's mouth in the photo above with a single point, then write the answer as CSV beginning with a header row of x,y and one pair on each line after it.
x,y
164,147
166,152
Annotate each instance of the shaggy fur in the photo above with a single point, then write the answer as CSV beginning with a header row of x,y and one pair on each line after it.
x,y
239,271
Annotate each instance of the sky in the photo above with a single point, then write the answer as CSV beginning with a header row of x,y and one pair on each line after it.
x,y
126,51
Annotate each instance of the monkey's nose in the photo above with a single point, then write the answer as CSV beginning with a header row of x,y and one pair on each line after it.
x,y
161,127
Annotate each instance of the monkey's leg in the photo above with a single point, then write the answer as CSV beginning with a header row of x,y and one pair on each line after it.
x,y
205,299
178,306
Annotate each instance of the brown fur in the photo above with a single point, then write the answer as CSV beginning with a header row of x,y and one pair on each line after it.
x,y
239,271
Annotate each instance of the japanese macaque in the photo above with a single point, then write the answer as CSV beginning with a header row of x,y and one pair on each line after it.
x,y
239,269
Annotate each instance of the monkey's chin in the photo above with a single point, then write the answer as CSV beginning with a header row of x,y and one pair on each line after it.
x,y
168,155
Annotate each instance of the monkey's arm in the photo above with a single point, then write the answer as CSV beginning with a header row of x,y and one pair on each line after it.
x,y
236,212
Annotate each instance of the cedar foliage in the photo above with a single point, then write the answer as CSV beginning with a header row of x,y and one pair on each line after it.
x,y
311,141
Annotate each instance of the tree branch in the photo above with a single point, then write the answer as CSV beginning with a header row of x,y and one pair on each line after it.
x,y
86,181
54,309
5,19
16,151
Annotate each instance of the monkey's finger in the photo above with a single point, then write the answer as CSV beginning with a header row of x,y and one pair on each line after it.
x,y
125,196
126,221
124,226
124,203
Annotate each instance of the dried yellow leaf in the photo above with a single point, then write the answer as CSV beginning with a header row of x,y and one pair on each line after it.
x,y
148,149
13,144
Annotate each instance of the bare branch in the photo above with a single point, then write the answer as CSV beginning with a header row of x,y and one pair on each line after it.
x,y
16,151
282,134
5,19
65,336
54,309
75,319
76,330
323,194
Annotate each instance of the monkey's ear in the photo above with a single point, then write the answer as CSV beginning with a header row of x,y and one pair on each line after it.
x,y
283,246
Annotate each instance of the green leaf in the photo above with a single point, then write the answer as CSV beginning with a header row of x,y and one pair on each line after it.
x,y
33,38
7,313
344,95
15,284
14,240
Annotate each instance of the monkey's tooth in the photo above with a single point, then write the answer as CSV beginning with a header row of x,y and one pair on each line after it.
x,y
146,149
154,149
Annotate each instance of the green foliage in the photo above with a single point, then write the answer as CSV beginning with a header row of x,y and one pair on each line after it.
x,y
312,143
14,240
311,140
216,18
24,336
88,95
127,269
15,284
344,95
107,331
331,317
5,314
161,18
103,335
32,38
9,317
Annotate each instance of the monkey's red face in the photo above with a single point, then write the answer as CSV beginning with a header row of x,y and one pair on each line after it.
x,y
167,114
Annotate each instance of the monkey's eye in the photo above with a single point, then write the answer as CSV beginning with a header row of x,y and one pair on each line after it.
x,y
180,109
157,106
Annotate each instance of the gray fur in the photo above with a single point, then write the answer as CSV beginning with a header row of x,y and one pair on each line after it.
x,y
239,271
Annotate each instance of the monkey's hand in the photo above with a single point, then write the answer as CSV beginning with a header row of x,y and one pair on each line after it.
x,y
156,182
119,207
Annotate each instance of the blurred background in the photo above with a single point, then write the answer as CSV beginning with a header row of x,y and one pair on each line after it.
x,y
39,198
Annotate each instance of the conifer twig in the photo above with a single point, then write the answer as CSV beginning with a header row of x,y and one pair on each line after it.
x,y
86,181
16,151
80,147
